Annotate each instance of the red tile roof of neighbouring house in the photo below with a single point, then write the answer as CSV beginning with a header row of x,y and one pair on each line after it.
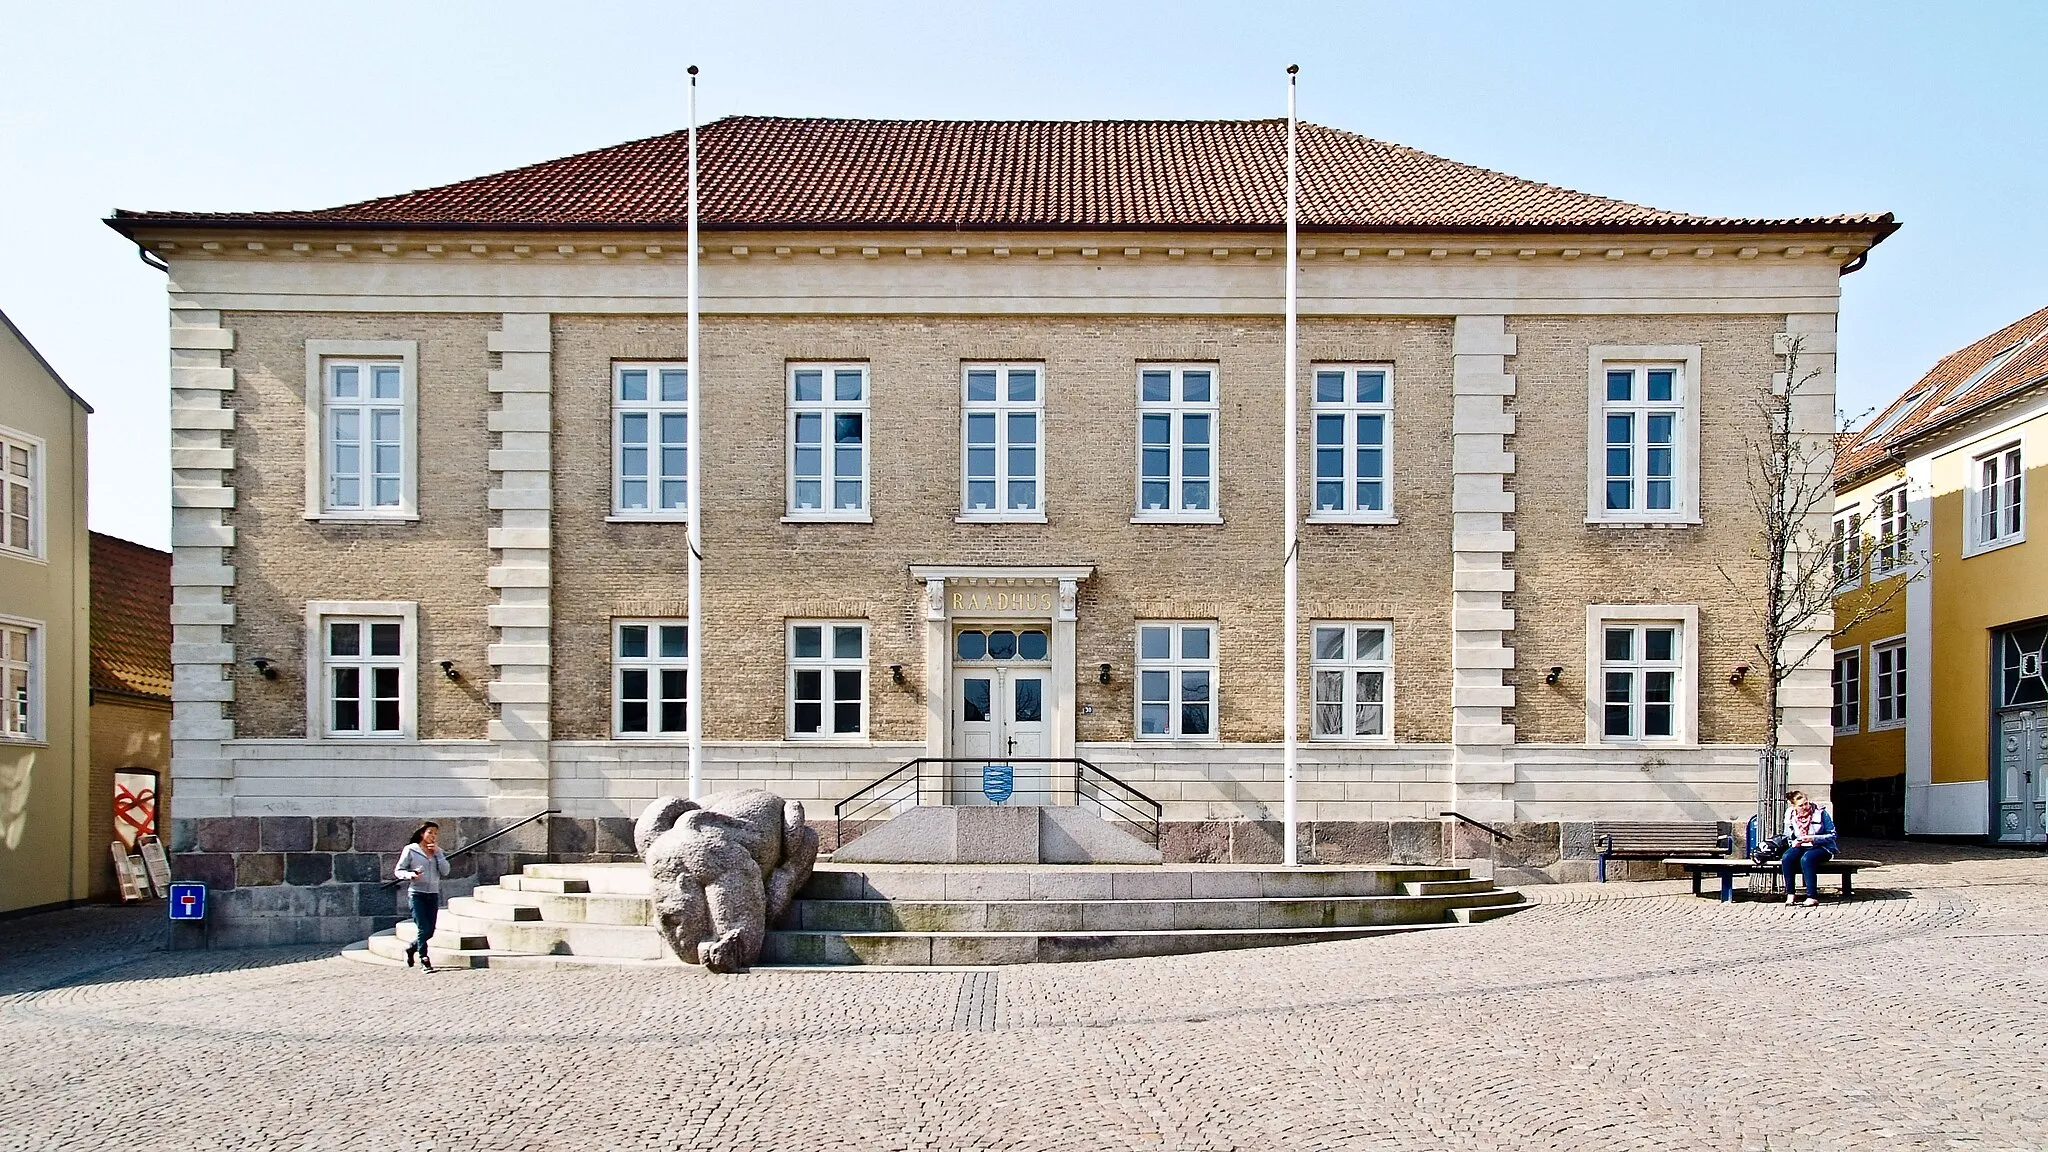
x,y
786,172
131,618
1981,373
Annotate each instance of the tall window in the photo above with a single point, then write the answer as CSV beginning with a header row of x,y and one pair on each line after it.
x,y
650,677
1893,546
1177,412
1002,436
2000,497
828,441
364,658
367,455
828,678
1642,418
1848,547
1177,681
1352,666
19,682
1354,419
1888,684
18,477
1639,674
650,440
1847,685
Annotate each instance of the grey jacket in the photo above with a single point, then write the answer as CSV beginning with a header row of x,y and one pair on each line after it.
x,y
422,870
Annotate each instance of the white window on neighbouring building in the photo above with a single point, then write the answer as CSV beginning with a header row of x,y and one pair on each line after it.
x,y
1888,684
20,473
650,678
1353,418
650,441
1177,418
367,449
20,681
1847,547
828,442
366,658
828,679
1639,681
1998,496
1894,546
1176,680
1352,666
1846,711
1002,442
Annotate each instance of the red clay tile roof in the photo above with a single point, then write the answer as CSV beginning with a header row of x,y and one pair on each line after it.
x,y
131,618
2017,358
779,172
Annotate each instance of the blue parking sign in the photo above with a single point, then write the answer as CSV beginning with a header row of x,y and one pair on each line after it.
x,y
188,901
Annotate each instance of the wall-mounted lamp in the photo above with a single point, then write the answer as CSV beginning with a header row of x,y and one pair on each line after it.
x,y
1103,675
265,668
448,670
896,673
1555,674
1741,670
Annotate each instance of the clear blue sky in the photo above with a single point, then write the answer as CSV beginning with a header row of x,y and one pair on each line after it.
x,y
1935,112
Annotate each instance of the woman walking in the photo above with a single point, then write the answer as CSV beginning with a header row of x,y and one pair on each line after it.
x,y
1810,842
422,864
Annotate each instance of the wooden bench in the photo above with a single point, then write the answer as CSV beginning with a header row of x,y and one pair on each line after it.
x,y
1728,869
1659,841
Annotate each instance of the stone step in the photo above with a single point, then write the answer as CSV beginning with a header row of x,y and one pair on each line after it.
x,y
537,937
629,879
582,908
381,950
934,882
1445,887
472,908
1045,916
1481,914
554,884
946,948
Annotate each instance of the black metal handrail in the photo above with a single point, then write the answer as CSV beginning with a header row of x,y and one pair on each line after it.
x,y
1112,798
483,840
1489,829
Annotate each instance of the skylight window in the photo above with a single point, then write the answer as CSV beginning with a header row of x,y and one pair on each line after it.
x,y
1891,419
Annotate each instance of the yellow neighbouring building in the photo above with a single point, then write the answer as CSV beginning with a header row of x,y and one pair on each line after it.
x,y
1940,704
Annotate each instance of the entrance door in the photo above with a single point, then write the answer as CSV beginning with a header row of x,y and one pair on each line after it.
x,y
999,713
2022,788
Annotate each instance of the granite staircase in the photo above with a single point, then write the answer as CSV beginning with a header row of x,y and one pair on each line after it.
x,y
927,914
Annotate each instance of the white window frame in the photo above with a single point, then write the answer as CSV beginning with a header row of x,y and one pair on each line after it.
x,y
1887,666
31,718
1348,664
1894,539
2011,496
1348,410
827,410
1845,692
652,410
1846,547
1686,718
320,355
654,664
37,449
1175,665
1685,478
1002,408
319,714
826,664
1176,410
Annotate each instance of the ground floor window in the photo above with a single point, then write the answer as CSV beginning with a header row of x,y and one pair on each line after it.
x,y
362,674
1639,666
1353,668
650,677
1888,684
828,676
1176,680
20,681
1847,684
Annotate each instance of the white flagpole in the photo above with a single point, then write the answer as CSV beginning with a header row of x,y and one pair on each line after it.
x,y
1289,645
693,489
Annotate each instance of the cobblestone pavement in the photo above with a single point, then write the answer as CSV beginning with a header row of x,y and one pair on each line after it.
x,y
1622,1019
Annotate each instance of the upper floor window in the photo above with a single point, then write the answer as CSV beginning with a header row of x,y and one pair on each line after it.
x,y
20,681
362,419
828,441
1845,710
1643,435
1639,681
1888,685
1003,440
1177,411
1176,680
20,473
1353,668
650,440
1353,416
1847,547
650,677
1894,547
1998,496
828,678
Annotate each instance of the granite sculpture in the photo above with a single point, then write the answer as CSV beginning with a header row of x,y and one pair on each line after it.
x,y
725,867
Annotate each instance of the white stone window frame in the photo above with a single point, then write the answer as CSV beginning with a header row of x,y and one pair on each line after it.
x,y
1349,665
1177,409
654,664
11,441
826,664
1175,664
1845,691
653,408
1846,550
1887,668
319,714
1685,358
827,409
2011,496
1894,539
1686,727
1349,409
34,681
1002,408
320,354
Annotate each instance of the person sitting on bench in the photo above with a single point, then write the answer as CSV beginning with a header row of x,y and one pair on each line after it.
x,y
1810,842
